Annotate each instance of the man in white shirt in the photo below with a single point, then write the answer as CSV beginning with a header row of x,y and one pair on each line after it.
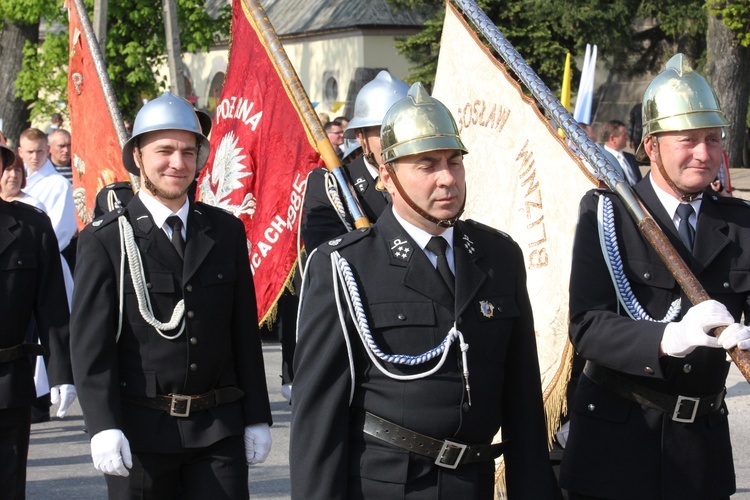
x,y
46,184
615,139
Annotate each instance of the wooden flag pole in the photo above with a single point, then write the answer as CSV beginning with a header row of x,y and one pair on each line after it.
x,y
645,221
302,102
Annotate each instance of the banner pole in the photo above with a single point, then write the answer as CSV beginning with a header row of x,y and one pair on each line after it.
x,y
104,81
645,222
310,119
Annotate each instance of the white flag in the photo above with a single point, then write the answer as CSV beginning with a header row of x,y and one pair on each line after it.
x,y
521,179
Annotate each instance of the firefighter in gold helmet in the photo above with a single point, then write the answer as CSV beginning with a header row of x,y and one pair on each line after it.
x,y
648,418
417,329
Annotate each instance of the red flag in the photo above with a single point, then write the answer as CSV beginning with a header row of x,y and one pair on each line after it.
x,y
96,156
261,153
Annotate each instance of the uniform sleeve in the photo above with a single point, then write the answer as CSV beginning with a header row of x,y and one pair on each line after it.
x,y
528,470
93,325
597,330
320,222
247,348
318,453
51,312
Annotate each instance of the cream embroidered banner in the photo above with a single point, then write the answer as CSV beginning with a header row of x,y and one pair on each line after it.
x,y
521,179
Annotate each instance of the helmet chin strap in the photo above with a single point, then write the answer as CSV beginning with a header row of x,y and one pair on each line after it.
x,y
685,197
439,222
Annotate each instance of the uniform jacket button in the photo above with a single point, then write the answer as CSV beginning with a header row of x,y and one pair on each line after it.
x,y
646,276
189,288
591,407
687,368
220,276
402,316
726,284
149,286
193,367
193,340
649,370
465,407
190,314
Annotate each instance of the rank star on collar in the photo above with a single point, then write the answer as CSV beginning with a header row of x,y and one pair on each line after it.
x,y
400,249
361,184
468,245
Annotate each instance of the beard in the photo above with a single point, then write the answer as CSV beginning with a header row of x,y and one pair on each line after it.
x,y
160,193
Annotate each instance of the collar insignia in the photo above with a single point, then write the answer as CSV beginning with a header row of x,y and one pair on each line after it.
x,y
468,245
401,249
361,184
486,308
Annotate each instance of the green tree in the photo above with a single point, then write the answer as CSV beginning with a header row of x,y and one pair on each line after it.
x,y
20,31
135,47
543,31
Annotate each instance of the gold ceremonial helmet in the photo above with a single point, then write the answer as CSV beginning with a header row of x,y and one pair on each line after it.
x,y
678,98
416,124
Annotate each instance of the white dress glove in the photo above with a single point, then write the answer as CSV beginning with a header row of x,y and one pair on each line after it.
x,y
111,452
257,443
735,335
682,337
64,394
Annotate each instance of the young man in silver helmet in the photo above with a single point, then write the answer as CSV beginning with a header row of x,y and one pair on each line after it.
x,y
416,341
164,329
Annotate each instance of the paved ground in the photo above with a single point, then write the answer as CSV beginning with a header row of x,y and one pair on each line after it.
x,y
60,464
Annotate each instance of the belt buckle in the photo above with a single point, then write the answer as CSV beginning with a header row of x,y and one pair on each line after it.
x,y
685,399
450,446
176,398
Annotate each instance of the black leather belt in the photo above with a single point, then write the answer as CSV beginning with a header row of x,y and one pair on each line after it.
x,y
447,453
681,408
180,405
20,351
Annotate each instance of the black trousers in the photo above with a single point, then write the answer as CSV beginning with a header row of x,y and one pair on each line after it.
x,y
216,472
15,426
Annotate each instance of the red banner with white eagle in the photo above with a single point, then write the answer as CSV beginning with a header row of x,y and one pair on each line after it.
x,y
96,156
261,154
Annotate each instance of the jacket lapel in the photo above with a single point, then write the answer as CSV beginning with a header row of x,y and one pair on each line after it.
x,y
469,276
409,260
198,243
710,236
6,223
151,239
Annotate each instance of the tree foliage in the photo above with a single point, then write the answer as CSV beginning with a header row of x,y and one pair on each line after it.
x,y
135,48
735,14
543,31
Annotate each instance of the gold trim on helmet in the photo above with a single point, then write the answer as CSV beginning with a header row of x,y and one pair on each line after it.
x,y
677,99
416,124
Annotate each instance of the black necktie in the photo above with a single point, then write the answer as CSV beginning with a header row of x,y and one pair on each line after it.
x,y
176,224
685,230
438,245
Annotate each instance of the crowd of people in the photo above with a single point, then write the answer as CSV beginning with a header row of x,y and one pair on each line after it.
x,y
157,332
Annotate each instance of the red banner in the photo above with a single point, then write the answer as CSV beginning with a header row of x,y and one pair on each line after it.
x,y
96,156
260,156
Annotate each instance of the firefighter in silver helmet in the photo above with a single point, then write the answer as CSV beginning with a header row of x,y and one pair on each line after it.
x,y
648,418
416,341
165,341
324,216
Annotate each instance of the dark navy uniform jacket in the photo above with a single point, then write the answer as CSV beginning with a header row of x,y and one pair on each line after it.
x,y
219,348
31,284
410,311
320,222
618,448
